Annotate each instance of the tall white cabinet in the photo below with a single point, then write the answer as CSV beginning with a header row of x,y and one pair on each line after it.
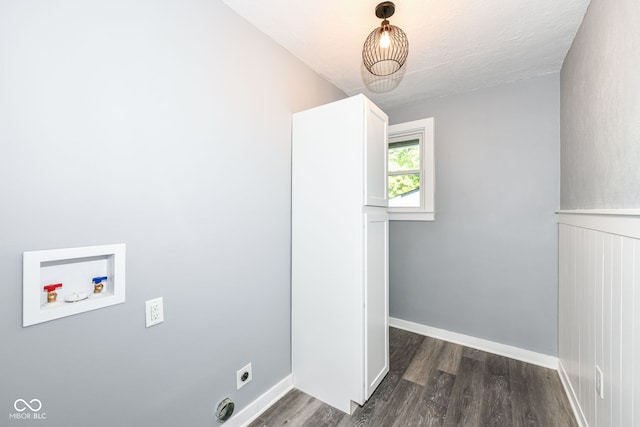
x,y
340,234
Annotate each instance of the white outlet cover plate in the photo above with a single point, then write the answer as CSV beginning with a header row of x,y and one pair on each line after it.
x,y
154,311
239,381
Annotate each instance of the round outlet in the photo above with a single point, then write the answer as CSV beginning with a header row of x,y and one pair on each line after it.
x,y
225,410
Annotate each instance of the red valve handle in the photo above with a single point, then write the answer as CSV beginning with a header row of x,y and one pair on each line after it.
x,y
51,288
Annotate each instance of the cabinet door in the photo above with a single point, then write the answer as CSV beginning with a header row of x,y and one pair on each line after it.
x,y
375,156
376,300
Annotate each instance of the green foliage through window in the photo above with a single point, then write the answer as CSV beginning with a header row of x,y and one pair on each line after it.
x,y
402,184
404,156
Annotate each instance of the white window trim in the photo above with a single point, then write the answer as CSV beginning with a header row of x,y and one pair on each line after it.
x,y
426,211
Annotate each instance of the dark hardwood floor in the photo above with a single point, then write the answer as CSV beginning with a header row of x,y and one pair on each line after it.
x,y
436,383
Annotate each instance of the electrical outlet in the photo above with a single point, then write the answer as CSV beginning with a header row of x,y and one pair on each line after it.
x,y
599,385
154,311
244,376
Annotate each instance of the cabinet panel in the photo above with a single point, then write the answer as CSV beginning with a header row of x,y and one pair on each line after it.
x,y
375,157
376,300
339,328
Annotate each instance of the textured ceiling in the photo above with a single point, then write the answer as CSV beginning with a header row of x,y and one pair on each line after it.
x,y
454,45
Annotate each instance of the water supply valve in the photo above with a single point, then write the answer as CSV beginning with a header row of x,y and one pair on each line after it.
x,y
51,291
98,286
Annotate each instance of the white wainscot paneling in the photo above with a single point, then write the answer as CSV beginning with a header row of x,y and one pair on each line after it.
x,y
599,266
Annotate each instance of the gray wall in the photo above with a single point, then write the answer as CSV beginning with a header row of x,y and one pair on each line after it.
x,y
164,125
601,109
487,266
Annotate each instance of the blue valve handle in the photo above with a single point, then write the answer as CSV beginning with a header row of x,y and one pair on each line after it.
x,y
97,280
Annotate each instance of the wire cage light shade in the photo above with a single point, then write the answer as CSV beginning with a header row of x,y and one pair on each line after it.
x,y
386,48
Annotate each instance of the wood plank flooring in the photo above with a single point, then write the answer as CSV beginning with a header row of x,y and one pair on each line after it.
x,y
433,383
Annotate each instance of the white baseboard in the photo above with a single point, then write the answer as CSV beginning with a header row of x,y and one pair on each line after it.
x,y
523,355
571,395
253,410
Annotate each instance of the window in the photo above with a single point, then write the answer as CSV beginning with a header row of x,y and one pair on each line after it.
x,y
411,171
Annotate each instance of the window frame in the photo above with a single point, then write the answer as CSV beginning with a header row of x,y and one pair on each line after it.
x,y
423,131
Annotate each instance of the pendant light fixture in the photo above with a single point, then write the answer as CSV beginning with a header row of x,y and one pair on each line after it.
x,y
386,49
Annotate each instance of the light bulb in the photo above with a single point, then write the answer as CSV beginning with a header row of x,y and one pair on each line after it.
x,y
385,40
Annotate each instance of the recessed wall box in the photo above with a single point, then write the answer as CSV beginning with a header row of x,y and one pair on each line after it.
x,y
76,269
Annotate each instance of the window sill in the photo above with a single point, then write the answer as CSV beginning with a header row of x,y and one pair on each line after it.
x,y
412,216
